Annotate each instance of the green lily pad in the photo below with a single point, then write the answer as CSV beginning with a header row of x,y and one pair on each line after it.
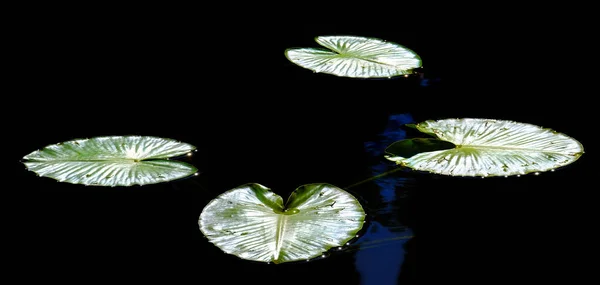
x,y
358,57
112,161
488,147
252,222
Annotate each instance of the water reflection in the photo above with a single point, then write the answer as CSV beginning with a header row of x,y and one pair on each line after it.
x,y
382,254
383,246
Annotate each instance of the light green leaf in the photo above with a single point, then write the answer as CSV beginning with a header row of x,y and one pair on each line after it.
x,y
252,222
112,161
352,56
487,147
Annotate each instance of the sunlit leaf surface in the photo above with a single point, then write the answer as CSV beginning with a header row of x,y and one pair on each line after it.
x,y
487,147
352,56
252,222
112,161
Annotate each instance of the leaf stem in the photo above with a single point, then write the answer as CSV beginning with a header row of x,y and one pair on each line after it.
x,y
374,177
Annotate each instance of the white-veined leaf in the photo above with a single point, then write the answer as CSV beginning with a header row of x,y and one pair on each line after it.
x,y
251,222
488,147
352,56
112,161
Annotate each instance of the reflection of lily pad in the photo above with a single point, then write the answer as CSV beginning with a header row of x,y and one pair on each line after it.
x,y
487,147
352,56
112,161
252,222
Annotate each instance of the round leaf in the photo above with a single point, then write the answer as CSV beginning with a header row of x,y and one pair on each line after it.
x,y
487,147
352,56
252,222
112,161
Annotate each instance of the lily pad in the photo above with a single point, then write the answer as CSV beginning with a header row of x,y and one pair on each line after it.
x,y
488,147
358,57
112,161
252,222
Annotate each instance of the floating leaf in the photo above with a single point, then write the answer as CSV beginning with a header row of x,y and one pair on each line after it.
x,y
487,147
112,161
252,222
352,56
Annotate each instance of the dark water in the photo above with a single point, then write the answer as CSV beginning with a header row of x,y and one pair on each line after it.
x,y
256,117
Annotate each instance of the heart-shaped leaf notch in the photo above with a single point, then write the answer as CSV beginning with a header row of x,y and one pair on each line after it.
x,y
252,222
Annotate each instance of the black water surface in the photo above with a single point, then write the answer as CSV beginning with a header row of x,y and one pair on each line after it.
x,y
256,117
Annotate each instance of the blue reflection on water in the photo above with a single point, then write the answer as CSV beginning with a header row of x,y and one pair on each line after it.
x,y
382,254
382,247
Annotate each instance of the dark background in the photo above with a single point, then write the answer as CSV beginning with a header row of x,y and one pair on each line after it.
x,y
224,85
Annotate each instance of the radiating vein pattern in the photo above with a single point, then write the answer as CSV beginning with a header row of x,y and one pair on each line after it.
x,y
360,57
488,147
251,222
112,161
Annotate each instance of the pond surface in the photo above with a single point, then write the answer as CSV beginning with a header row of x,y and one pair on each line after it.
x,y
256,117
